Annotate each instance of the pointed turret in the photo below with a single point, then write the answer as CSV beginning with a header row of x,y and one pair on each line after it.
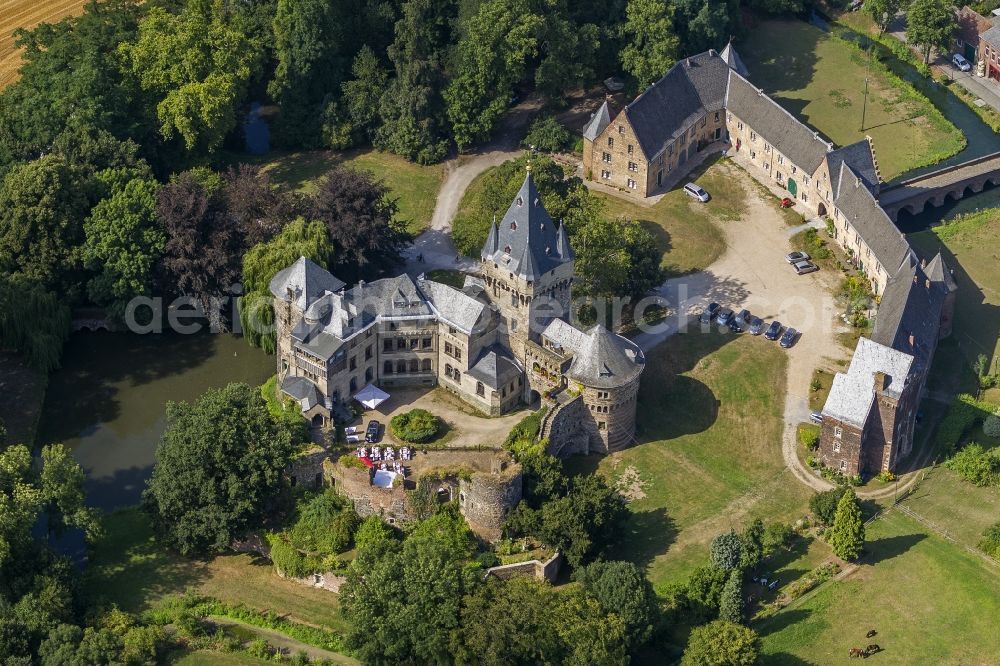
x,y
734,61
597,122
562,244
527,241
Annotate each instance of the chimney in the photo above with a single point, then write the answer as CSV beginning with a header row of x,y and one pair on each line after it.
x,y
927,284
913,341
882,381
689,62
923,263
712,52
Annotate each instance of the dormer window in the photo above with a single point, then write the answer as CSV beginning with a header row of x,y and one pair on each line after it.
x,y
548,250
520,201
513,226
506,249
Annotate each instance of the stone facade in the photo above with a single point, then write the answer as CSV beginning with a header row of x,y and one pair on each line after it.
x,y
547,570
498,342
485,499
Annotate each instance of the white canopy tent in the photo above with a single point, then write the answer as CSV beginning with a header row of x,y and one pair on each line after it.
x,y
371,396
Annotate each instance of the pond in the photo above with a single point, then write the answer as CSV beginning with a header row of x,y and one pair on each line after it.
x,y
107,401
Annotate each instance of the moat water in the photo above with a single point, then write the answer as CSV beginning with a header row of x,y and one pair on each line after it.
x,y
108,400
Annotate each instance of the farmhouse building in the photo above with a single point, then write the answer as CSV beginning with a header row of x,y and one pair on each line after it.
x,y
502,340
706,102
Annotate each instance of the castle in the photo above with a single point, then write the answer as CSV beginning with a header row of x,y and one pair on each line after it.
x,y
706,102
502,340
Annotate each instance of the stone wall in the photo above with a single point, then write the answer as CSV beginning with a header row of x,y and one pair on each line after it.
x,y
547,570
564,427
326,580
307,469
391,504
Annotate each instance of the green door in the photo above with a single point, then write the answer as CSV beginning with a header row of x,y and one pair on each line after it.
x,y
792,187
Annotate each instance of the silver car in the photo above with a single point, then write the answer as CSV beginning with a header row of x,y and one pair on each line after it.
x,y
695,191
803,267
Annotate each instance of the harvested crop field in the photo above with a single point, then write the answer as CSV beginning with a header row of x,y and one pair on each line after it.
x,y
16,14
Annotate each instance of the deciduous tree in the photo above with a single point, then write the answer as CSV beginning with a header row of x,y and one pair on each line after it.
x,y
123,245
617,258
721,643
930,24
622,589
218,465
882,12
652,45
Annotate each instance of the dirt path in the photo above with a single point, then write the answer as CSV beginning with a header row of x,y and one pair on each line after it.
x,y
283,642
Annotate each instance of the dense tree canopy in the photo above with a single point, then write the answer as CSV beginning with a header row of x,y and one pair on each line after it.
x,y
721,643
617,258
199,64
847,536
930,24
653,45
218,466
622,588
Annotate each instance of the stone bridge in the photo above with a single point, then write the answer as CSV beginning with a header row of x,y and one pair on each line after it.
x,y
936,187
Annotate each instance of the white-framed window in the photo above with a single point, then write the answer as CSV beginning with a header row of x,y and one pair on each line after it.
x,y
753,135
836,446
611,142
805,197
838,432
606,157
630,149
753,155
632,166
605,174
843,465
781,159
631,183
621,129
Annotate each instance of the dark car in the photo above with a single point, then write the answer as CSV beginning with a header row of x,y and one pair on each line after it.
x,y
743,316
756,326
709,314
725,316
372,433
736,325
788,339
773,331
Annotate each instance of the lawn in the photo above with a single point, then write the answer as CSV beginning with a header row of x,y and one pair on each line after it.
x,y
127,567
686,231
414,186
954,505
819,388
930,601
821,79
969,246
709,451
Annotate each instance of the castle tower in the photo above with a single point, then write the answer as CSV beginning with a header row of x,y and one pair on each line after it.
x,y
527,265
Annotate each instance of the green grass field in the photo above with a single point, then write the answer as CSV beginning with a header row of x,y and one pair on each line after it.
x,y
821,80
414,186
930,602
709,452
969,246
127,567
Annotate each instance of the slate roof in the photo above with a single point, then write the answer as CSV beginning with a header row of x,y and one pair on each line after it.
x,y
688,90
527,242
861,209
302,390
858,156
565,335
605,360
910,307
597,122
495,367
992,36
734,61
307,280
938,271
452,305
774,124
852,393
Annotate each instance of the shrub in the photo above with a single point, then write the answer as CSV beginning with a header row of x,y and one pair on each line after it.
x,y
991,426
289,561
372,530
547,135
824,504
523,437
416,425
977,465
809,435
990,543
325,525
776,537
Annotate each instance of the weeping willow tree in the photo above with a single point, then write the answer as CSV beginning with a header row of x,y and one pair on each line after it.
x,y
34,323
298,239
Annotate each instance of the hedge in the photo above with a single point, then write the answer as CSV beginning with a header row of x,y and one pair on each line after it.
x,y
963,413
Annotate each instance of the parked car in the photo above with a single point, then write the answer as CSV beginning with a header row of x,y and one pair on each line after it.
x,y
788,339
373,431
695,191
796,257
709,314
816,417
803,267
725,316
744,316
855,5
773,331
736,325
787,203
756,326
960,63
